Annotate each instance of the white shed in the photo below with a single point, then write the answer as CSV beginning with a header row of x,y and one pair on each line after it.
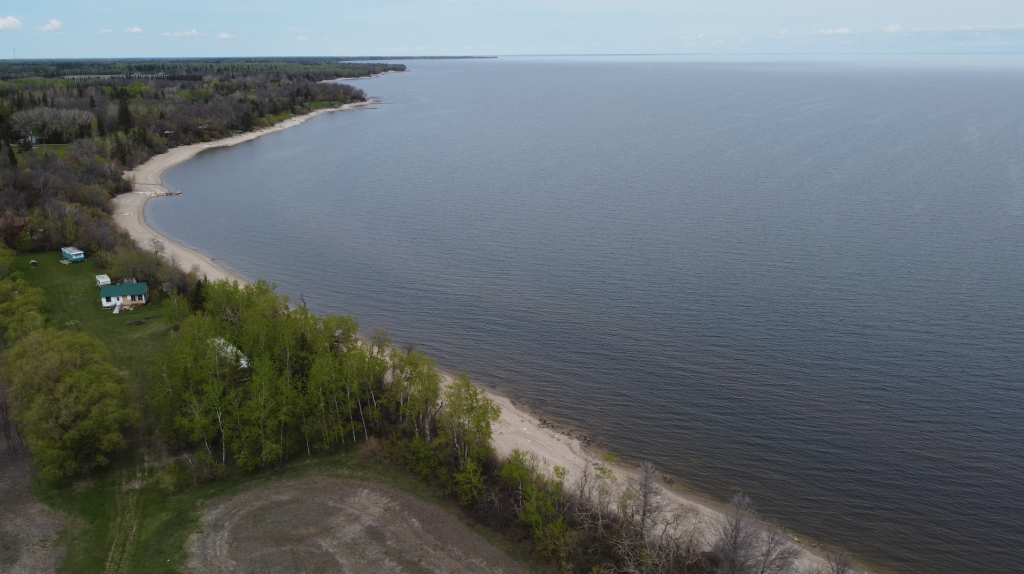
x,y
102,280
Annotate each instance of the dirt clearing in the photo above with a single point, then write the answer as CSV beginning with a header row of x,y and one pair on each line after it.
x,y
28,530
332,525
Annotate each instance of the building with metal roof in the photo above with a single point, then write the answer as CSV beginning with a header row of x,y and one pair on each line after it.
x,y
128,295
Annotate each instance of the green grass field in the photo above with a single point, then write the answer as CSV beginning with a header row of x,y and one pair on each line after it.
x,y
321,105
121,522
60,150
280,117
73,304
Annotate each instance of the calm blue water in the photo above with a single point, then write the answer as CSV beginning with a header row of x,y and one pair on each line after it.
x,y
804,281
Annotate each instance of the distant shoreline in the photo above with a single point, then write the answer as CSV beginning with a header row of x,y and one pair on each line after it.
x,y
370,77
516,429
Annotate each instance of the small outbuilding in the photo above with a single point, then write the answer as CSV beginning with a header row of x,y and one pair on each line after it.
x,y
102,280
128,295
73,254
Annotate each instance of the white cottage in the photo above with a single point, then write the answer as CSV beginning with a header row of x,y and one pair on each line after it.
x,y
129,295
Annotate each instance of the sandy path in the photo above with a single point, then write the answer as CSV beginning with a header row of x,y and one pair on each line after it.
x,y
516,429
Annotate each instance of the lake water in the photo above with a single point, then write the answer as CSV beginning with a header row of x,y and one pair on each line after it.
x,y
799,280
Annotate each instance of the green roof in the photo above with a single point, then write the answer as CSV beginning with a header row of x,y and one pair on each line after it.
x,y
123,290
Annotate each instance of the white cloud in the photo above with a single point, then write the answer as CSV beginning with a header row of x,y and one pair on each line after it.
x,y
833,32
105,31
963,28
133,30
192,34
224,36
51,26
10,23
784,33
894,29
302,39
982,28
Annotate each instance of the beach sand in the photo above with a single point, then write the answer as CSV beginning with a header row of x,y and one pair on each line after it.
x,y
516,429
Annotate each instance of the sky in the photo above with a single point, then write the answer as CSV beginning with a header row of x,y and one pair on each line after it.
x,y
180,28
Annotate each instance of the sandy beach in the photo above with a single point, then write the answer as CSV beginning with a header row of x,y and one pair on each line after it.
x,y
516,429
130,208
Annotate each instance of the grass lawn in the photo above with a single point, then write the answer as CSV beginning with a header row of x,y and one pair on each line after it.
x,y
60,150
320,105
73,304
280,117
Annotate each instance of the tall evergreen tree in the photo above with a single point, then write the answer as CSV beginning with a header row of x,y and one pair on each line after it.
x,y
124,117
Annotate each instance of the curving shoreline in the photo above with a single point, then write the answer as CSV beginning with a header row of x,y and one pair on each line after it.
x,y
147,183
516,429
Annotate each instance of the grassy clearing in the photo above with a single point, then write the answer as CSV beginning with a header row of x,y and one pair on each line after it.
x,y
60,150
313,106
280,117
73,304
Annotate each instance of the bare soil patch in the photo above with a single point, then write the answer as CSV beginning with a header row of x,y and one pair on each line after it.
x,y
28,529
332,525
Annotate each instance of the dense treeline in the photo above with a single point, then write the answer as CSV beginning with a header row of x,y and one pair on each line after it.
x,y
312,69
250,382
173,102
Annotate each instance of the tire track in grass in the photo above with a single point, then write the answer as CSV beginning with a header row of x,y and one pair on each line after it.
x,y
125,528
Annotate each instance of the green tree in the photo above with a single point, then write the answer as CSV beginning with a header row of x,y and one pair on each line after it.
x,y
79,425
20,309
466,421
124,116
414,391
68,400
260,419
469,483
326,410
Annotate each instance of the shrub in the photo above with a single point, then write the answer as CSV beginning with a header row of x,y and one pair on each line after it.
x,y
469,483
175,477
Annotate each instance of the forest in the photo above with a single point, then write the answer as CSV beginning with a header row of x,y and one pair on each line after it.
x,y
247,381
